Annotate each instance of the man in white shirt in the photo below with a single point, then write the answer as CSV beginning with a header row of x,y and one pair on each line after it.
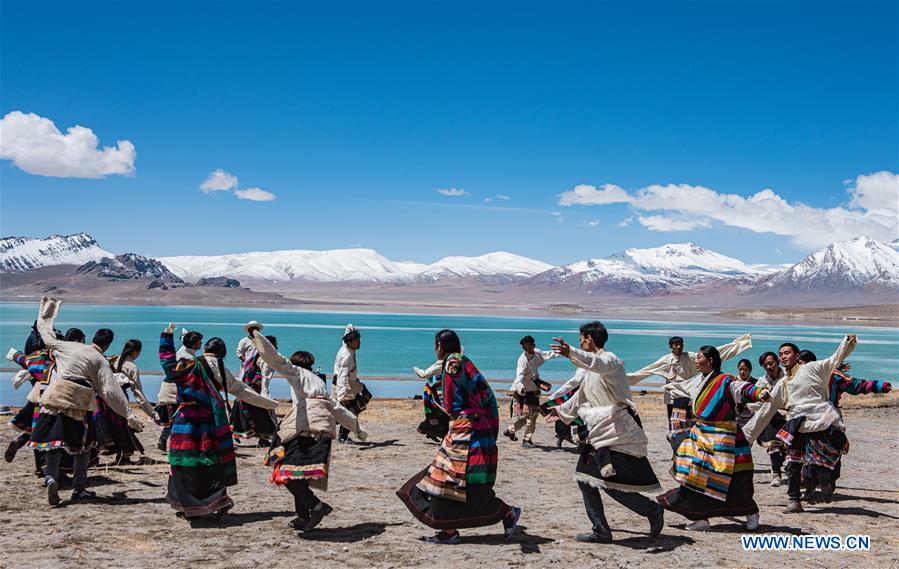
x,y
525,390
349,392
814,431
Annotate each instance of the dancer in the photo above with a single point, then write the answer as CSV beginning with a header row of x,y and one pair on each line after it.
x,y
714,463
456,490
435,424
676,367
744,373
113,434
201,449
775,448
167,400
249,421
614,456
525,390
349,392
37,368
840,383
64,424
300,454
814,431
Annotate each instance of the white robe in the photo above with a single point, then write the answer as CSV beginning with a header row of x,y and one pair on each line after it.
x,y
602,402
527,371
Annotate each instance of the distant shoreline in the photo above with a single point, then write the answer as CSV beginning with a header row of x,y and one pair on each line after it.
x,y
877,316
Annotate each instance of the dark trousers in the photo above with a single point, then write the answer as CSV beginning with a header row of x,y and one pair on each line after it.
x,y
164,435
303,498
81,462
356,409
777,462
823,475
637,503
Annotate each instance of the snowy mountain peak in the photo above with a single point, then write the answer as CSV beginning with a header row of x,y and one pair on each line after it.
x,y
858,263
25,253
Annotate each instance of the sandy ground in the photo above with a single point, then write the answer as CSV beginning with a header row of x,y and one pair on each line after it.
x,y
130,525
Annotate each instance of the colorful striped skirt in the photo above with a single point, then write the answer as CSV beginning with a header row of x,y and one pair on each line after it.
x,y
710,456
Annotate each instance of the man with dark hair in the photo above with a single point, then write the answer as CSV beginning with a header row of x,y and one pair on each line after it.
x,y
614,457
679,366
64,424
349,392
525,390
814,432
776,449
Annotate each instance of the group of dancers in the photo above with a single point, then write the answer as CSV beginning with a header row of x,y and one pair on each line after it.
x,y
78,406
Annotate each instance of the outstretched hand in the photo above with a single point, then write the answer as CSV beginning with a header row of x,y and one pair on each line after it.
x,y
561,347
170,329
851,339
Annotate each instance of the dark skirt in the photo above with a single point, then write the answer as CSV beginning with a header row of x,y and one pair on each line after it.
x,y
481,508
624,472
197,490
59,431
251,421
25,419
303,458
695,506
113,433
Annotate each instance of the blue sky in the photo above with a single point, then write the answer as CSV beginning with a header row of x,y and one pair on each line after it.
x,y
355,115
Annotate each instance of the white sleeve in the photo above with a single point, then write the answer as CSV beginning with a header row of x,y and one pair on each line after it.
x,y
567,411
824,368
343,378
658,367
46,316
735,348
575,381
270,355
244,392
547,355
242,348
757,423
600,363
520,368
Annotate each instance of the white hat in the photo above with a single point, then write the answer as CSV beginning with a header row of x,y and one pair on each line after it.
x,y
252,324
349,328
184,332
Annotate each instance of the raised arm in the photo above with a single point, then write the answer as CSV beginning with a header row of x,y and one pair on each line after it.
x,y
735,348
842,352
46,316
433,370
270,355
167,352
745,392
569,385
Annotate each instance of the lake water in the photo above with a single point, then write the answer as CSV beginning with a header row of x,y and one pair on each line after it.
x,y
393,343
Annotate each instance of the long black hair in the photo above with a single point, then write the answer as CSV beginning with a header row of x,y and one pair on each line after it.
x,y
131,347
711,352
216,347
74,335
448,341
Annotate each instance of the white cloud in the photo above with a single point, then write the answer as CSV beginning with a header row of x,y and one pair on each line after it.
x,y
662,223
218,181
584,194
625,222
36,146
503,197
558,216
254,194
488,200
452,192
593,223
872,210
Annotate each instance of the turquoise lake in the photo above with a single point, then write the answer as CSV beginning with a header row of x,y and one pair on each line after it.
x,y
393,343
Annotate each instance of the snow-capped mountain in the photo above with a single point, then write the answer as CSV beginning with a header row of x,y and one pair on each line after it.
x,y
860,263
353,265
25,253
647,271
497,268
